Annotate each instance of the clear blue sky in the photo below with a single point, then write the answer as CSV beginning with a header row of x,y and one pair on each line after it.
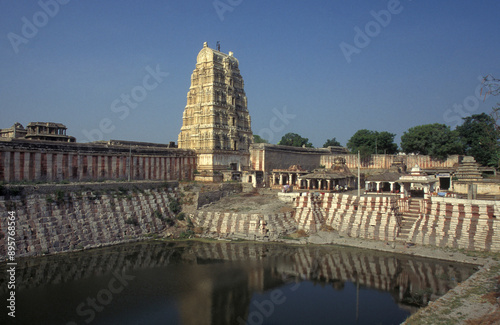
x,y
419,59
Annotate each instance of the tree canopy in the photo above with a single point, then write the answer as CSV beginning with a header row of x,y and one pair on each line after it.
x,y
371,142
294,140
436,140
480,136
258,139
331,143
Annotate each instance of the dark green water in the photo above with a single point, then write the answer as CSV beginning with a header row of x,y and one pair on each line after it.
x,y
226,283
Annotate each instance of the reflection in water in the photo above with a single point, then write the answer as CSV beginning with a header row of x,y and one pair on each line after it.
x,y
227,283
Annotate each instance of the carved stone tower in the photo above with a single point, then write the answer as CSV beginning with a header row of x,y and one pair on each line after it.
x,y
215,122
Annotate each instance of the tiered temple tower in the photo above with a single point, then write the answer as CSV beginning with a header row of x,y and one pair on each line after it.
x,y
215,122
468,170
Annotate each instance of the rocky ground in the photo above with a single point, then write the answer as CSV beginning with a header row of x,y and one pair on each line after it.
x,y
263,201
475,301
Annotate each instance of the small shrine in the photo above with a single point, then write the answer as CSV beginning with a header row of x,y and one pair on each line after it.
x,y
338,178
417,183
289,176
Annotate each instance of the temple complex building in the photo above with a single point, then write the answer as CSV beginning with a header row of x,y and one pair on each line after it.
x,y
216,122
45,131
15,131
48,131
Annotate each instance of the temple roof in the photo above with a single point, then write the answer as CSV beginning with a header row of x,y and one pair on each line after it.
x,y
208,54
327,174
384,177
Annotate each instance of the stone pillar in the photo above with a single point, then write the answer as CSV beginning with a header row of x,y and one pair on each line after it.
x,y
17,166
378,186
49,167
328,184
402,191
367,185
38,165
59,166
281,179
319,184
27,158
392,186
308,184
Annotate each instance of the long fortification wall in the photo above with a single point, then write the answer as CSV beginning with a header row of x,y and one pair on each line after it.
x,y
25,160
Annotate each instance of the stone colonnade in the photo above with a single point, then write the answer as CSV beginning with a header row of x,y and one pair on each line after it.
x,y
326,184
57,166
294,178
378,186
286,177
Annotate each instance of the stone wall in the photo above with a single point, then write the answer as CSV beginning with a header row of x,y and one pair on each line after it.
x,y
444,222
60,222
27,160
458,223
196,195
485,186
244,226
385,161
222,190
365,217
266,157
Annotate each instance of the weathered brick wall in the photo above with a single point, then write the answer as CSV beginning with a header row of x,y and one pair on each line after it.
x,y
75,220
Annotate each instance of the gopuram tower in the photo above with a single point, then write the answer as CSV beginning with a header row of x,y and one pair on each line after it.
x,y
215,122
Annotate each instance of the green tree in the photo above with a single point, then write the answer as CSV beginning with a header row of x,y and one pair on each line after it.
x,y
480,137
258,139
371,142
331,143
436,140
294,140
